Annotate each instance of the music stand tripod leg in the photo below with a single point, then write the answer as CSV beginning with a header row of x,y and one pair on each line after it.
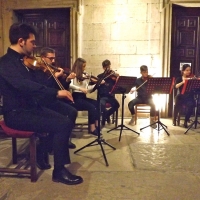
x,y
121,126
99,139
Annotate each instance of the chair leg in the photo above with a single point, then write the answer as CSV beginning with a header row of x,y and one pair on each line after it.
x,y
14,150
33,158
116,118
135,114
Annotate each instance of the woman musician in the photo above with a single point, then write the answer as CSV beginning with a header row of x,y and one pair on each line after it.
x,y
80,87
104,91
142,96
183,99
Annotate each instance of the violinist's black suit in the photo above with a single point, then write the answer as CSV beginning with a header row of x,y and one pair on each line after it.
x,y
31,106
105,97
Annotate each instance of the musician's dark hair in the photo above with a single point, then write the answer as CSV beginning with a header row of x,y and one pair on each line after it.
x,y
20,30
45,50
143,68
184,66
106,63
77,68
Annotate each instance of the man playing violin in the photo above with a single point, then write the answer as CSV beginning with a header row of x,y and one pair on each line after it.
x,y
48,57
25,101
142,96
104,91
183,99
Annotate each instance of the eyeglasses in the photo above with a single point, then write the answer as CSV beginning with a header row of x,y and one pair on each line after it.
x,y
51,58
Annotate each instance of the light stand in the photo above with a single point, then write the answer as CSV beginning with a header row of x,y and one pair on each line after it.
x,y
159,124
99,140
123,85
159,86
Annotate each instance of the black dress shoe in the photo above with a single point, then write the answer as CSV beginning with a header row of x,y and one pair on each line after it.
x,y
71,145
64,176
43,165
95,132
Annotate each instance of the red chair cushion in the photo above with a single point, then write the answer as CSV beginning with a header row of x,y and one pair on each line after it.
x,y
15,133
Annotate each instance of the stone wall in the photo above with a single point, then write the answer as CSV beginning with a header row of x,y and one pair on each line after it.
x,y
129,33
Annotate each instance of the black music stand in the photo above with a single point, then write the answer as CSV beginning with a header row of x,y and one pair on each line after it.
x,y
159,86
192,86
99,140
123,86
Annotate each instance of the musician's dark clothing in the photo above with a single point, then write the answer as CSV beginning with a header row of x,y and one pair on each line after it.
x,y
84,103
105,96
31,106
186,99
142,97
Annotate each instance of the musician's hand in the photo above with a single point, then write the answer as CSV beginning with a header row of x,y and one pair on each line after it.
x,y
102,82
84,90
65,94
132,91
71,76
59,73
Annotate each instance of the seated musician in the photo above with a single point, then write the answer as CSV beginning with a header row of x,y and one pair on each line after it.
x,y
142,96
104,92
183,99
31,106
48,57
80,87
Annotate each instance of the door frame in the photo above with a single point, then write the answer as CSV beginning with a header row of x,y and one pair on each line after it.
x,y
166,28
8,18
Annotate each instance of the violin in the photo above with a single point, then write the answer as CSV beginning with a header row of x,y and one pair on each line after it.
x,y
55,68
191,76
146,78
111,74
91,78
32,63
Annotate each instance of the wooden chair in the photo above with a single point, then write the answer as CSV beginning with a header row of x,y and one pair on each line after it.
x,y
82,125
141,109
14,134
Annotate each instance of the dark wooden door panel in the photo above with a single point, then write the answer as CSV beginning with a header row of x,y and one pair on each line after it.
x,y
185,41
53,27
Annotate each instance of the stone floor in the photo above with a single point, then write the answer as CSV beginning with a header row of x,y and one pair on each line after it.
x,y
148,166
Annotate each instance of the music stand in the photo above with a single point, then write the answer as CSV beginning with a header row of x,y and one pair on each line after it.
x,y
123,86
192,86
99,139
159,86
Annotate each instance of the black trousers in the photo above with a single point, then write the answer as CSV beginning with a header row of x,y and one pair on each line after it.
x,y
114,105
84,103
57,119
142,100
188,101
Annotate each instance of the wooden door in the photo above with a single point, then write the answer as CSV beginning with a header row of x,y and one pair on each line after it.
x,y
185,41
53,28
